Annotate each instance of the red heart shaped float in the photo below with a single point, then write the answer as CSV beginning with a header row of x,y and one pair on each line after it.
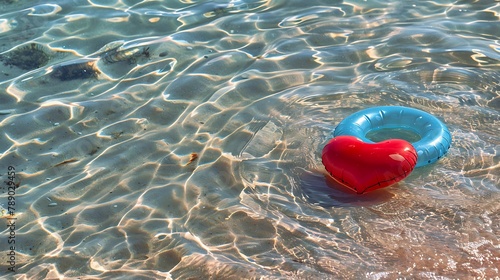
x,y
365,167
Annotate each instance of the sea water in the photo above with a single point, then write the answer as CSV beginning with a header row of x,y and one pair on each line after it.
x,y
182,139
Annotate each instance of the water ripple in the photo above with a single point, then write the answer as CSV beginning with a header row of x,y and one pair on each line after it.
x,y
182,139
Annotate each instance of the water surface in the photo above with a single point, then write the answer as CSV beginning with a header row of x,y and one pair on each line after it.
x,y
182,139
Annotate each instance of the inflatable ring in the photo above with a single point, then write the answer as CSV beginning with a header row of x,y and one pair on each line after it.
x,y
435,139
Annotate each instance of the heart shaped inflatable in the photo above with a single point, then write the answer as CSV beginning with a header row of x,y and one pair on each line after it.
x,y
365,167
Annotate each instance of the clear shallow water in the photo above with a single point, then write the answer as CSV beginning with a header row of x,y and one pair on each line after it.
x,y
182,139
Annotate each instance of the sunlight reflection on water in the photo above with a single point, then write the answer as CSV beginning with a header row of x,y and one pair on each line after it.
x,y
182,139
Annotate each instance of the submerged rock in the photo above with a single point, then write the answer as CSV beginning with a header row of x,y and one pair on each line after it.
x,y
27,57
73,71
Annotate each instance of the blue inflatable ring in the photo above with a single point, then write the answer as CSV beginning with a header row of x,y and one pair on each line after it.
x,y
435,139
